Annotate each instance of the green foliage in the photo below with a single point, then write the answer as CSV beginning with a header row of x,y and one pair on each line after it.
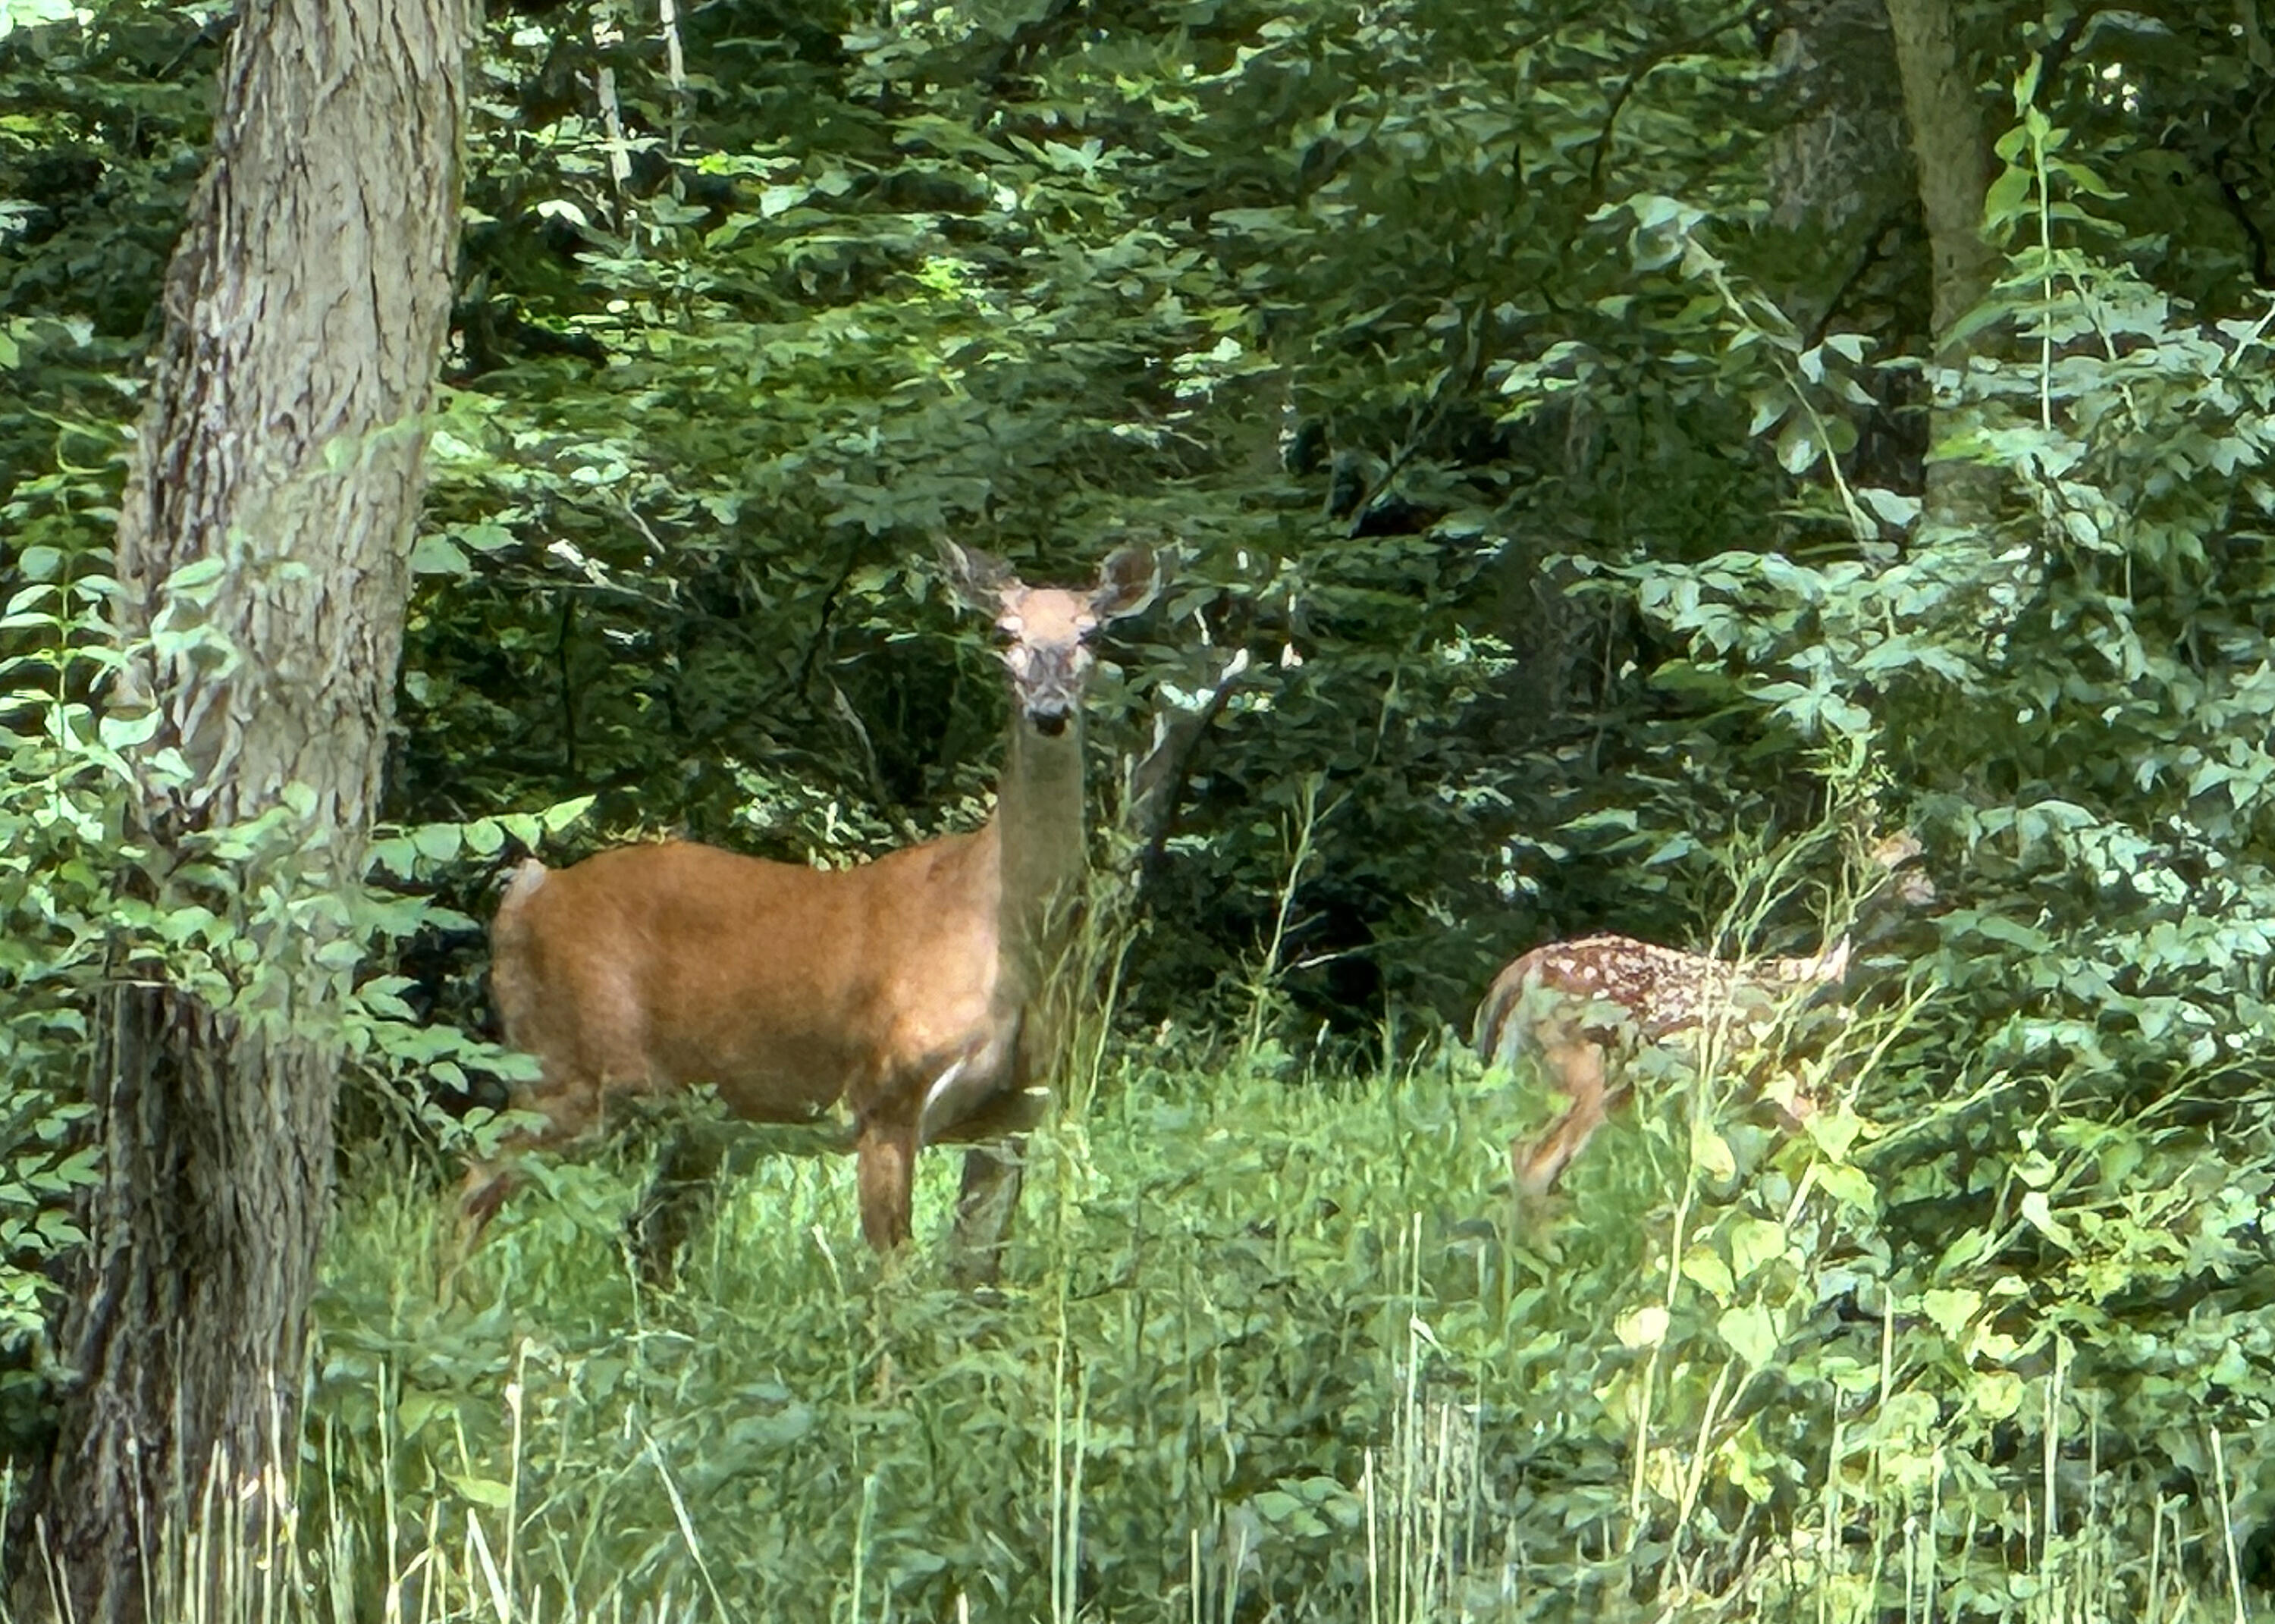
x,y
1260,1348
1558,461
58,891
1115,287
1380,315
227,917
2100,647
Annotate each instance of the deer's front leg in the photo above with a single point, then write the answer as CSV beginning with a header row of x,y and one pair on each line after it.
x,y
885,1156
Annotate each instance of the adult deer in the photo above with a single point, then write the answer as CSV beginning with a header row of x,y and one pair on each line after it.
x,y
906,988
1583,1011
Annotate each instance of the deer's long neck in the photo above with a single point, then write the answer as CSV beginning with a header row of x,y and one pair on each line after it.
x,y
1038,818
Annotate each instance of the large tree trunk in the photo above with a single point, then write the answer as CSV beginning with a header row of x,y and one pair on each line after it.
x,y
1838,166
281,453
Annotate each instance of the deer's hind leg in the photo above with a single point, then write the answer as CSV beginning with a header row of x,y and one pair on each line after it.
x,y
986,1205
570,1109
682,1197
995,1169
589,1041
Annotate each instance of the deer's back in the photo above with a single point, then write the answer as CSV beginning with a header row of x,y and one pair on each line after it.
x,y
668,964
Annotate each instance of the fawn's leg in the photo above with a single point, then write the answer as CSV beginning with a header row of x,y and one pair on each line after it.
x,y
1578,1063
1783,1090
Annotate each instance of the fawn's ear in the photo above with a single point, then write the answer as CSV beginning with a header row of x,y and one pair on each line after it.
x,y
1834,962
1896,859
1892,851
1127,582
975,579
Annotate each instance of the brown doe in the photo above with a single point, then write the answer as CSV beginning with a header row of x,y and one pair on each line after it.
x,y
1583,1010
904,988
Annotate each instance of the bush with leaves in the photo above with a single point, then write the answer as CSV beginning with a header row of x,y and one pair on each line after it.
x,y
60,917
2073,693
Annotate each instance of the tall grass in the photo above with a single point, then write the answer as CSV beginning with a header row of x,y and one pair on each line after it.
x,y
1260,1351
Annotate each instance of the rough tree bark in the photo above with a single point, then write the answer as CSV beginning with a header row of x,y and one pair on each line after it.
x,y
281,453
1838,164
1840,177
1953,155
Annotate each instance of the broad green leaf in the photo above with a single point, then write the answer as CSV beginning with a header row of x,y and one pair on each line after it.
x,y
1951,1309
122,733
1797,447
1995,1395
561,815
481,1491
1753,1243
1710,1152
2007,198
438,554
1642,1327
1748,1332
1703,1267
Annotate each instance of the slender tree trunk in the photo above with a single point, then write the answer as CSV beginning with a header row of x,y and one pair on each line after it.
x,y
1159,779
1954,156
263,544
1953,153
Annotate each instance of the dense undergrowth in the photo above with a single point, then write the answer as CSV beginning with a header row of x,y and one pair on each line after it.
x,y
1261,1351
1994,1344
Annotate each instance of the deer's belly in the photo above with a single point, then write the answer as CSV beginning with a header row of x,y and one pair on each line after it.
x,y
789,1080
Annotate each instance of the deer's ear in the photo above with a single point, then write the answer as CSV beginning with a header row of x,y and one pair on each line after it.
x,y
1127,582
976,580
